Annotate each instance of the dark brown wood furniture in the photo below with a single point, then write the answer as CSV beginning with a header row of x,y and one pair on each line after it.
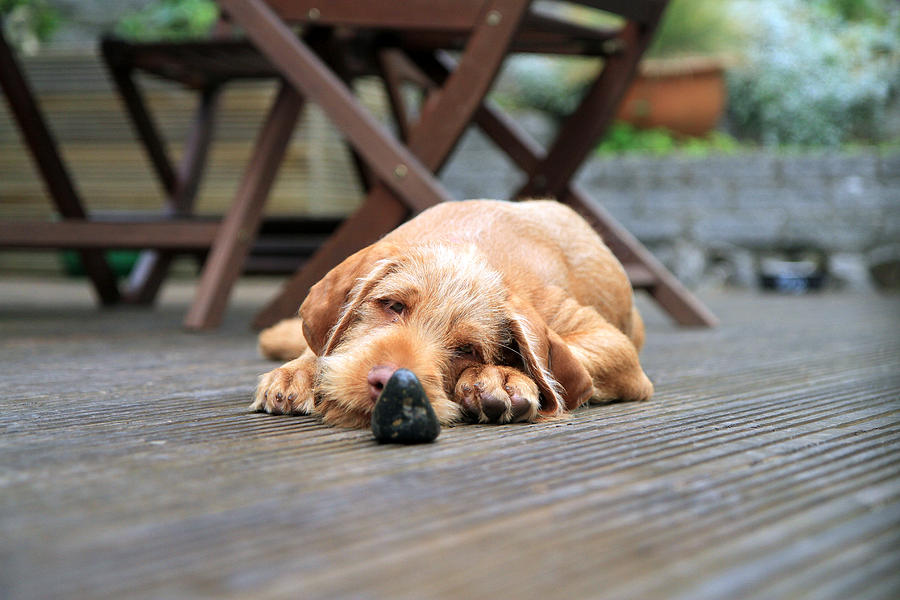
x,y
407,41
317,50
205,66
61,188
197,65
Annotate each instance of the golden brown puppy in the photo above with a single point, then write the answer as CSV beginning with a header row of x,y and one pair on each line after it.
x,y
505,311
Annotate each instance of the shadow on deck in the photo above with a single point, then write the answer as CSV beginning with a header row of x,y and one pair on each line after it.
x,y
767,465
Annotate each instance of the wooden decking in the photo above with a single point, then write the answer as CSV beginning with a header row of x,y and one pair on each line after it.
x,y
766,466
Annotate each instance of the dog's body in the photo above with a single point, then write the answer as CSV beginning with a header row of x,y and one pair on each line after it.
x,y
505,311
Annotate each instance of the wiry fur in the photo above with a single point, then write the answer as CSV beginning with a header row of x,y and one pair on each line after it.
x,y
511,312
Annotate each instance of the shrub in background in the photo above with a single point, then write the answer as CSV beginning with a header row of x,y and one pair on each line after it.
x,y
695,28
815,72
623,138
556,85
27,23
551,85
688,28
169,20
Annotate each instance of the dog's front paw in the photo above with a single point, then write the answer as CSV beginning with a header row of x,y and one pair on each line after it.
x,y
288,390
497,394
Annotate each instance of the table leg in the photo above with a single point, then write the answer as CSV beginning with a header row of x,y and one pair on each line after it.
x,y
238,229
46,156
527,154
153,265
584,127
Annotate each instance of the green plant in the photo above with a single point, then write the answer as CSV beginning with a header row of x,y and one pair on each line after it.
x,y
623,138
810,75
694,27
120,261
169,20
716,142
858,10
27,23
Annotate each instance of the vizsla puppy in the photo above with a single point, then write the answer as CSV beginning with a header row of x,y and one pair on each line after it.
x,y
505,311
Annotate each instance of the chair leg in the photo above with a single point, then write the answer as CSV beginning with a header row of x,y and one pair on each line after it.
x,y
393,163
381,212
237,231
45,153
431,140
147,275
527,154
180,186
584,127
665,288
389,67
144,125
153,266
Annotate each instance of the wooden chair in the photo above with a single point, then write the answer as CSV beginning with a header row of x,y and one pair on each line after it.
x,y
176,230
207,66
204,66
408,42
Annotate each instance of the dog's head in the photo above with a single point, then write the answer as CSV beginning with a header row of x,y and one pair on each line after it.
x,y
436,311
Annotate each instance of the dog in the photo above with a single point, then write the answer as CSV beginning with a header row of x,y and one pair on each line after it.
x,y
505,311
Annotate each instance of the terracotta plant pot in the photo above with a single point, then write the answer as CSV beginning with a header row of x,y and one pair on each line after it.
x,y
686,96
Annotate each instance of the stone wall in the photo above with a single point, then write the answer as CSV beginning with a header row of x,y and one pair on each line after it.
x,y
713,219
717,216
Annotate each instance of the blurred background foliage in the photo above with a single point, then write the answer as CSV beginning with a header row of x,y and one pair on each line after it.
x,y
169,20
800,73
27,23
624,138
696,27
815,72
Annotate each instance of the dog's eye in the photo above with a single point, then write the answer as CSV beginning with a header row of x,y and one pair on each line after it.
x,y
467,351
394,306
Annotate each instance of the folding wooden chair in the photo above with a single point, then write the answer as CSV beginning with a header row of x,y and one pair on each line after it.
x,y
201,66
207,66
406,42
204,66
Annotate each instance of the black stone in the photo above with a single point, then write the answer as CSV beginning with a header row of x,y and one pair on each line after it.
x,y
403,413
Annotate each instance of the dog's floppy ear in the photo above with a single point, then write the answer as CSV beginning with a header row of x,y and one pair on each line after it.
x,y
562,379
328,308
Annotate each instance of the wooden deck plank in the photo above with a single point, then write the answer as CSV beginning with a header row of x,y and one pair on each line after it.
x,y
766,466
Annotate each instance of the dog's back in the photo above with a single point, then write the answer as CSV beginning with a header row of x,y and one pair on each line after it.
x,y
540,247
543,238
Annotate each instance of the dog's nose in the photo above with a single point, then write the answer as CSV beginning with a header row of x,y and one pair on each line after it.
x,y
378,378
